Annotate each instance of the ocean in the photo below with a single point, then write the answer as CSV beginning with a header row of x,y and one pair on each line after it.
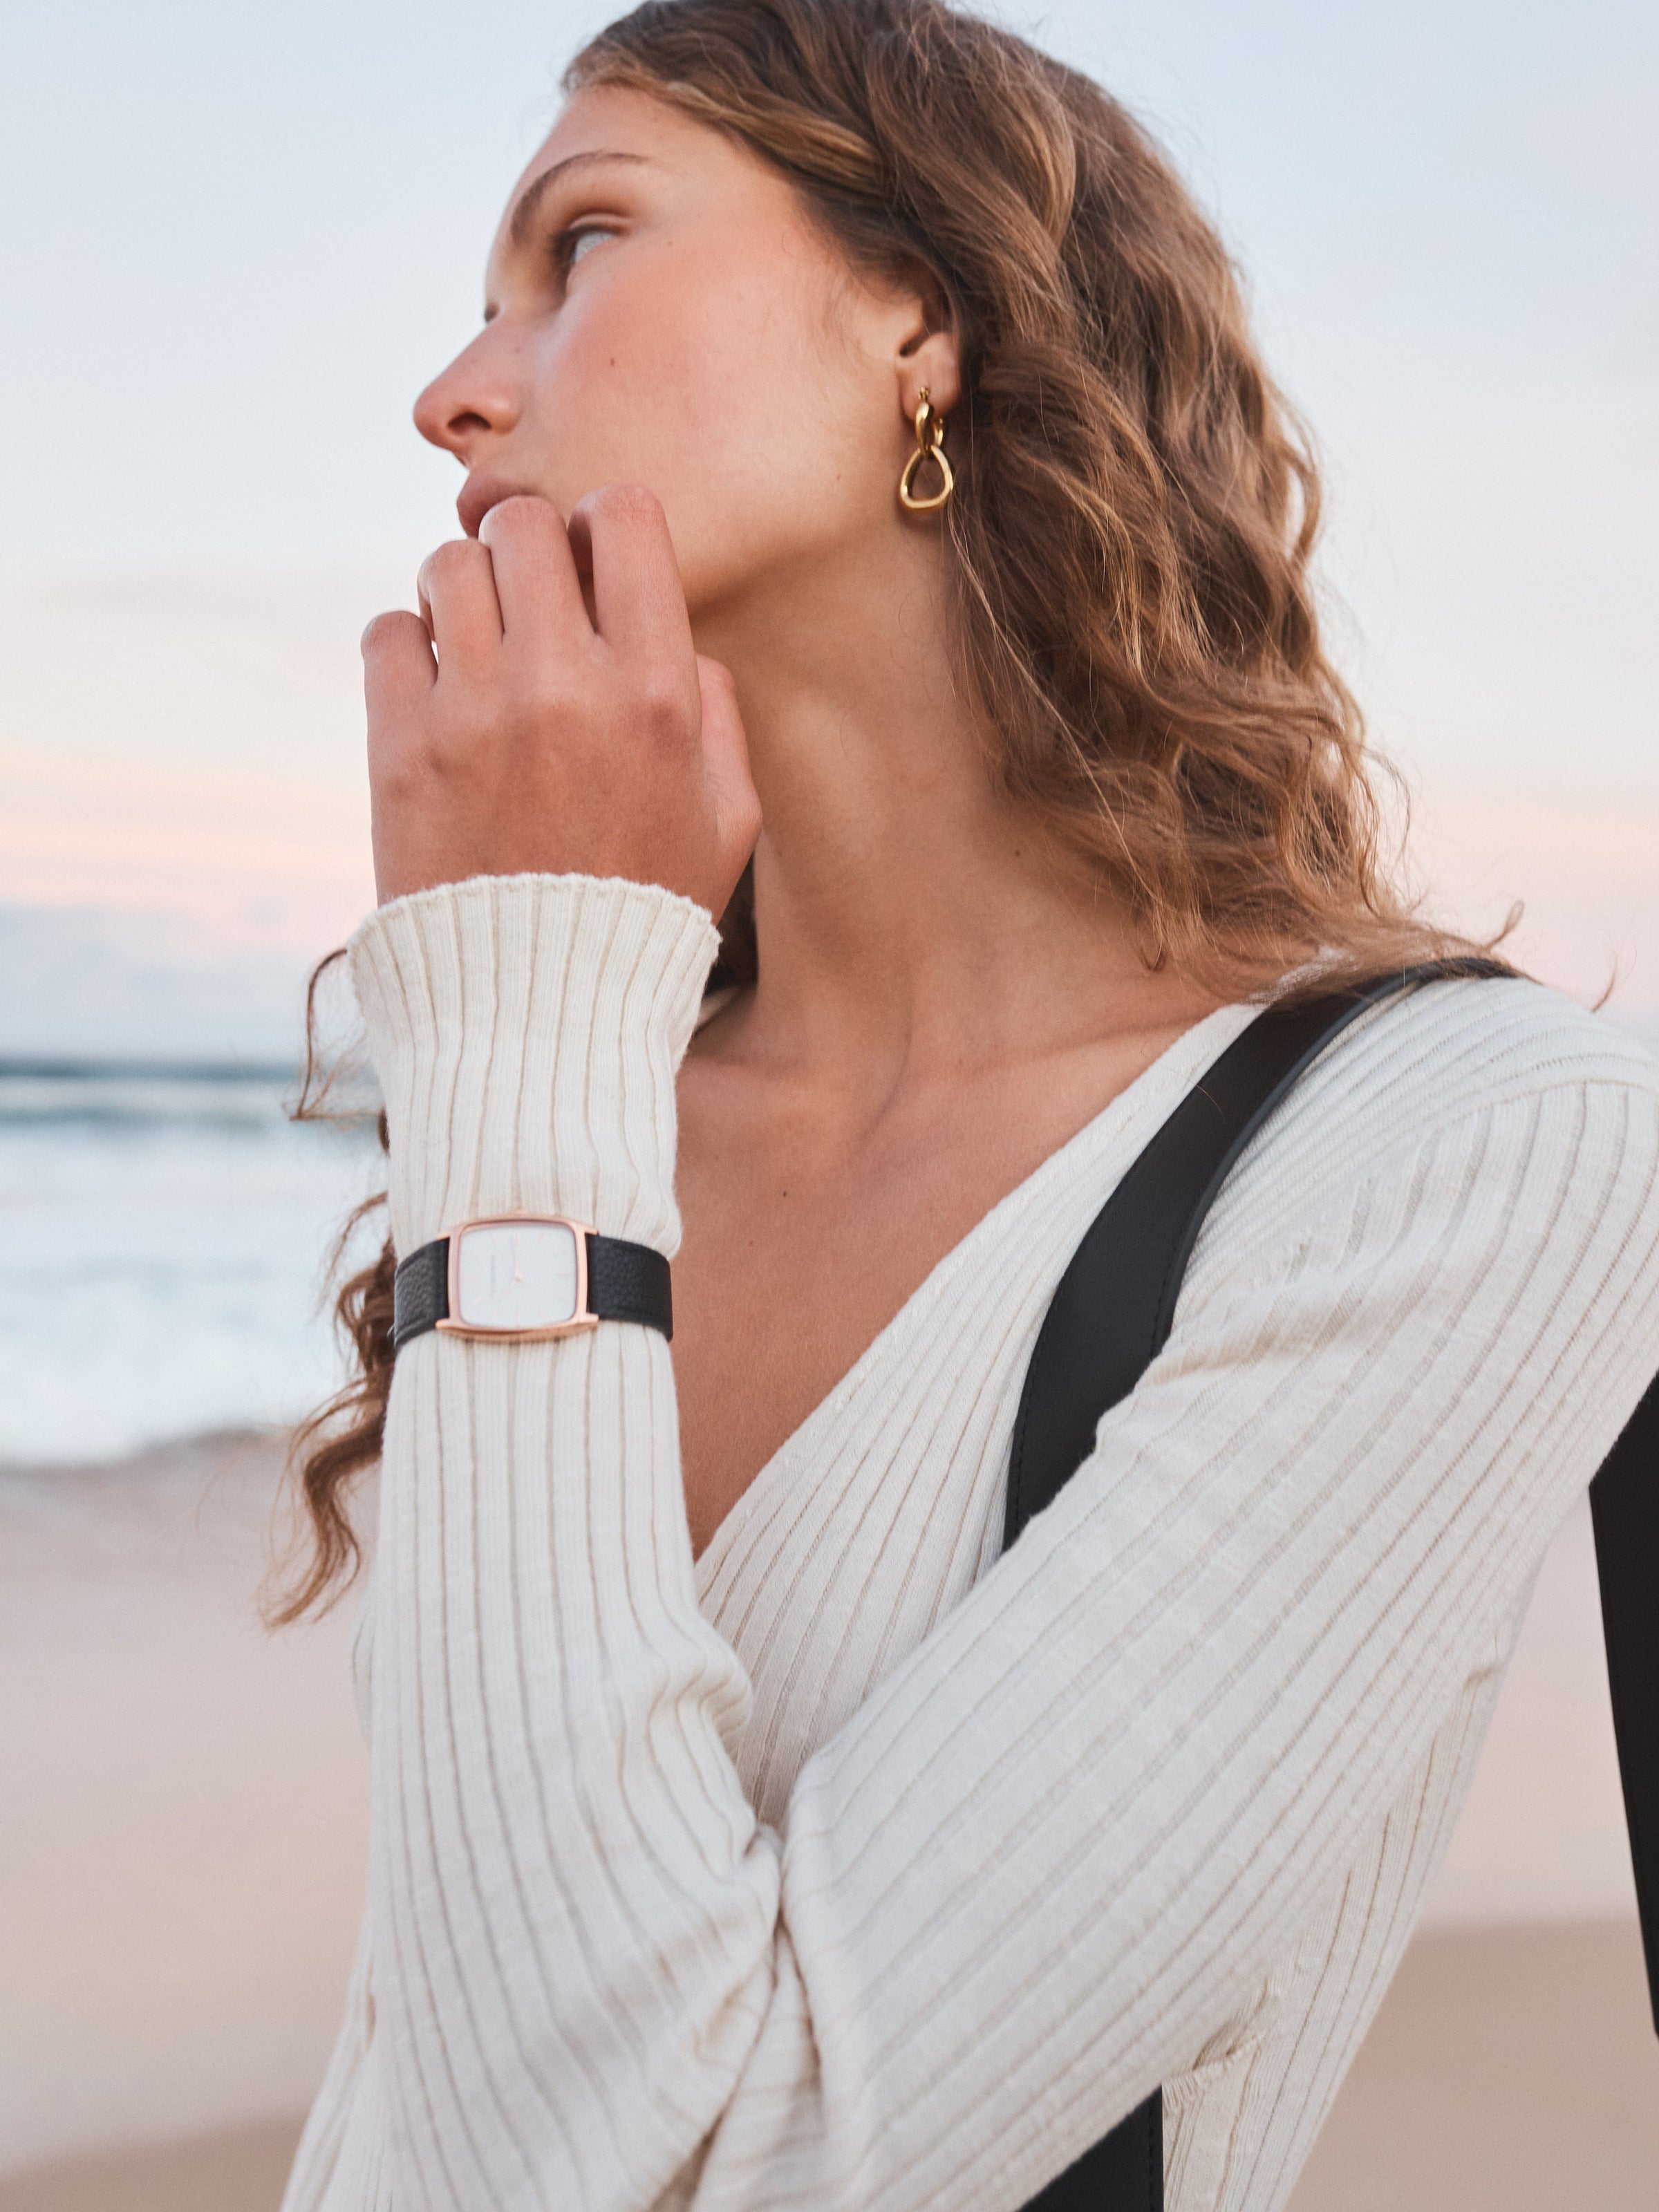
x,y
165,1231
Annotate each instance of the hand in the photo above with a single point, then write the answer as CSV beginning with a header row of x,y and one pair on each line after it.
x,y
509,734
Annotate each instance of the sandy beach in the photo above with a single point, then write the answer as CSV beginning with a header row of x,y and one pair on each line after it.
x,y
183,1812
183,1816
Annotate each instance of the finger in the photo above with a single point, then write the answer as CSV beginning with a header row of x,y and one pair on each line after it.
x,y
638,601
399,666
458,605
725,765
536,586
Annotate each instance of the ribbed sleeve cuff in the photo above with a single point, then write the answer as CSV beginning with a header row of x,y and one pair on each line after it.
x,y
526,1030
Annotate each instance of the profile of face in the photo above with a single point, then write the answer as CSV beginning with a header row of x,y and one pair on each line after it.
x,y
662,310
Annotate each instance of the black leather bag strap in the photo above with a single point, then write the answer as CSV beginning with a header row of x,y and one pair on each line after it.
x,y
1108,1319
1624,1507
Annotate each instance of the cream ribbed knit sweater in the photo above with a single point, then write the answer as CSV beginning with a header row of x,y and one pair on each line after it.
x,y
853,1867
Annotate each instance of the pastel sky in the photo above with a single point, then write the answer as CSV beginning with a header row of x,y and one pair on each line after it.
x,y
240,241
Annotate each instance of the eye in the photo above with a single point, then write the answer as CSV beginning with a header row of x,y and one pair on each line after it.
x,y
571,245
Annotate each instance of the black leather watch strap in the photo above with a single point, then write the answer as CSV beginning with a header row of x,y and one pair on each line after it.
x,y
420,1292
629,1282
625,1282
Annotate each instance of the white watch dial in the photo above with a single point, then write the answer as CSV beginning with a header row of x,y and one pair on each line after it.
x,y
516,1275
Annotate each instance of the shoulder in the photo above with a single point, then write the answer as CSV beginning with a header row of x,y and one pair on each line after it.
x,y
1466,1043
1454,1054
1483,1117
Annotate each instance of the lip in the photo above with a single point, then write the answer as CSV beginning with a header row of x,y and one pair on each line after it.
x,y
478,495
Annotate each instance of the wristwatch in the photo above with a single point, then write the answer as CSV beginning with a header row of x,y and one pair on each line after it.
x,y
522,1277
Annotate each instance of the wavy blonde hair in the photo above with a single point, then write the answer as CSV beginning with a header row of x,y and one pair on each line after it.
x,y
1135,511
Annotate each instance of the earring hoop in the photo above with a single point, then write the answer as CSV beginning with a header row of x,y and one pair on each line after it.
x,y
930,446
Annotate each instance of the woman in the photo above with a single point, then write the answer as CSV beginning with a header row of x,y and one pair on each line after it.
x,y
869,471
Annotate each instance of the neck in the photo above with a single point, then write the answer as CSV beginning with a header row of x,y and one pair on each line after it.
x,y
913,921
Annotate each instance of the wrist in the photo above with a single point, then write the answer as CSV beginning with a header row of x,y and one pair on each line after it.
x,y
526,1031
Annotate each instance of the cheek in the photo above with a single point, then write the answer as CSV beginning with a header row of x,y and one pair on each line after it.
x,y
716,380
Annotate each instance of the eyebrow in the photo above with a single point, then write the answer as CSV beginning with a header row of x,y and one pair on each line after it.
x,y
522,219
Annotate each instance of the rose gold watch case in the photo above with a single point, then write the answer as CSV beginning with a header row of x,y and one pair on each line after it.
x,y
483,1332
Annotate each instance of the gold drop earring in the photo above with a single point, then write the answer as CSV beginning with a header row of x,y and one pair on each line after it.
x,y
930,446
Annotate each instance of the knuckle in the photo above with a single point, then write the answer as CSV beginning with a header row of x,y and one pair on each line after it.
x,y
387,631
392,764
522,515
535,688
547,696
660,706
454,557
553,682
624,503
444,753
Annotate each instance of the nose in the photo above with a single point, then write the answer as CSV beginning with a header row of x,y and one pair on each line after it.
x,y
477,397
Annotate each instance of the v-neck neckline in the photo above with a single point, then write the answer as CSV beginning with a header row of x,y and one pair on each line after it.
x,y
1175,1071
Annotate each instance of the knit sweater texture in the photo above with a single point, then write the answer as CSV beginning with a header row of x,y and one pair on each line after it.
x,y
851,1866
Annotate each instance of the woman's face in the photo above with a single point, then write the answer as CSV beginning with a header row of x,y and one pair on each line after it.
x,y
660,310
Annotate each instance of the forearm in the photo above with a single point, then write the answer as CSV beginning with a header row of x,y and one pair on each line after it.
x,y
573,1913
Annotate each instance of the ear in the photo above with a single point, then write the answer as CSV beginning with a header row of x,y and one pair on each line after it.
x,y
929,359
